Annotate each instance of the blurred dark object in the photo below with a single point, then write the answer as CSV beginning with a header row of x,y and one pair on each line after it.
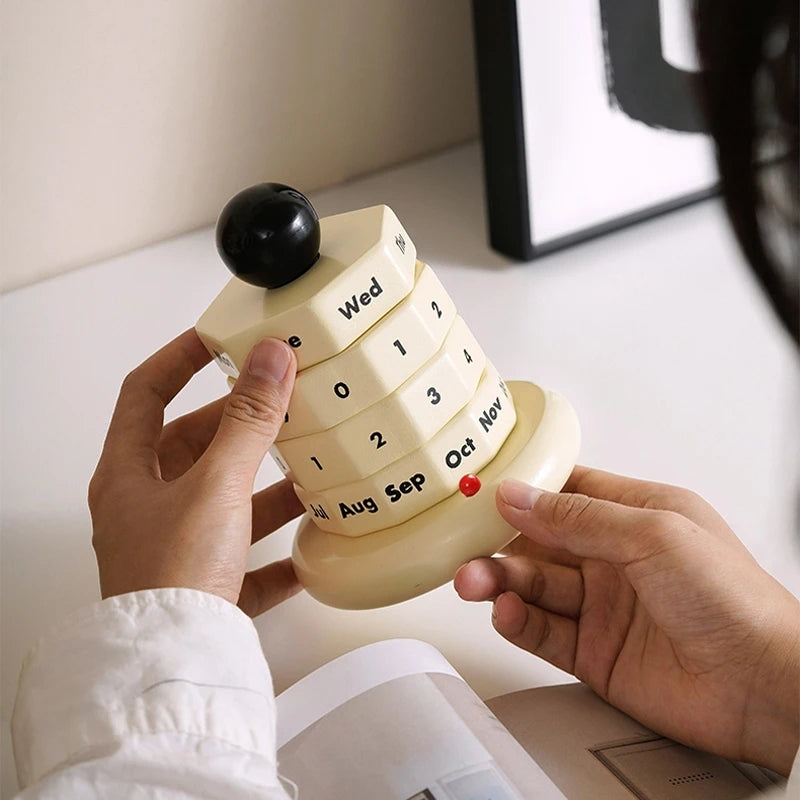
x,y
749,88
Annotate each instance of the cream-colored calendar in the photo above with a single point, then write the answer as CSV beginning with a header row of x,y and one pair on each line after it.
x,y
399,429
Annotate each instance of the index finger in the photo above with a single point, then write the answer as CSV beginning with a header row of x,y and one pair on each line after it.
x,y
637,493
608,486
138,417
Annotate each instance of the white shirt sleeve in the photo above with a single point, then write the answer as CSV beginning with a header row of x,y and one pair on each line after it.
x,y
161,693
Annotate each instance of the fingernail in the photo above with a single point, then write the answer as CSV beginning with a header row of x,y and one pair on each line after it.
x,y
518,494
269,359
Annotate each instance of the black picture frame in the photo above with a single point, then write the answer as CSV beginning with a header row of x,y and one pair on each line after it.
x,y
506,144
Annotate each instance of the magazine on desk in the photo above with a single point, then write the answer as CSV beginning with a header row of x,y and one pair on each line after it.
x,y
394,721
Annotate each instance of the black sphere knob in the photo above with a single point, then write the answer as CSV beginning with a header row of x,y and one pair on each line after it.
x,y
268,235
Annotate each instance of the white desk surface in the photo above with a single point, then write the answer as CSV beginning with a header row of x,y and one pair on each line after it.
x,y
656,334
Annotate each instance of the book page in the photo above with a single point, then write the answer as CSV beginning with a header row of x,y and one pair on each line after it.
x,y
348,676
394,720
591,750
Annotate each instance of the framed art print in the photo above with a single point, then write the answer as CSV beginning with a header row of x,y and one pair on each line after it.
x,y
589,117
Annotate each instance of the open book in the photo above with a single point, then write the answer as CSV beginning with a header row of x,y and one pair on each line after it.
x,y
395,721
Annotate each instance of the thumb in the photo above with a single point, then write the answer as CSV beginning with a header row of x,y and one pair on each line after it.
x,y
255,409
587,526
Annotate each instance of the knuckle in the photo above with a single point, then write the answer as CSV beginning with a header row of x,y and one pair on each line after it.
x,y
652,495
664,530
97,488
663,524
130,381
675,498
691,500
541,636
572,510
536,585
253,409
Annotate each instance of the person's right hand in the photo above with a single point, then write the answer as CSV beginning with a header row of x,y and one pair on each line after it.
x,y
174,506
644,593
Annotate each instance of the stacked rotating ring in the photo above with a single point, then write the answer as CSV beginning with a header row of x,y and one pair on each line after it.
x,y
389,426
430,410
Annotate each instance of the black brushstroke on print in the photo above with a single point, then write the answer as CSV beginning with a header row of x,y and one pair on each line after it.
x,y
639,81
508,196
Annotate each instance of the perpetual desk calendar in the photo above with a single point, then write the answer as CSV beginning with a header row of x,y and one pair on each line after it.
x,y
399,429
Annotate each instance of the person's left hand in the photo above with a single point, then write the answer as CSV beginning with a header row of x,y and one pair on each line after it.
x,y
174,506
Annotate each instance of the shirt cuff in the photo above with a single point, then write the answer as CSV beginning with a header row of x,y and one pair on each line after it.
x,y
154,661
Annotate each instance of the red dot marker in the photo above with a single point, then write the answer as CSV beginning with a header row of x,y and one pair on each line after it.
x,y
469,485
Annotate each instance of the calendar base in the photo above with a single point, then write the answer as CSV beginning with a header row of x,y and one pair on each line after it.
x,y
406,560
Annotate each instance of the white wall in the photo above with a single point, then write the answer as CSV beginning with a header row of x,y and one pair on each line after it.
x,y
125,123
